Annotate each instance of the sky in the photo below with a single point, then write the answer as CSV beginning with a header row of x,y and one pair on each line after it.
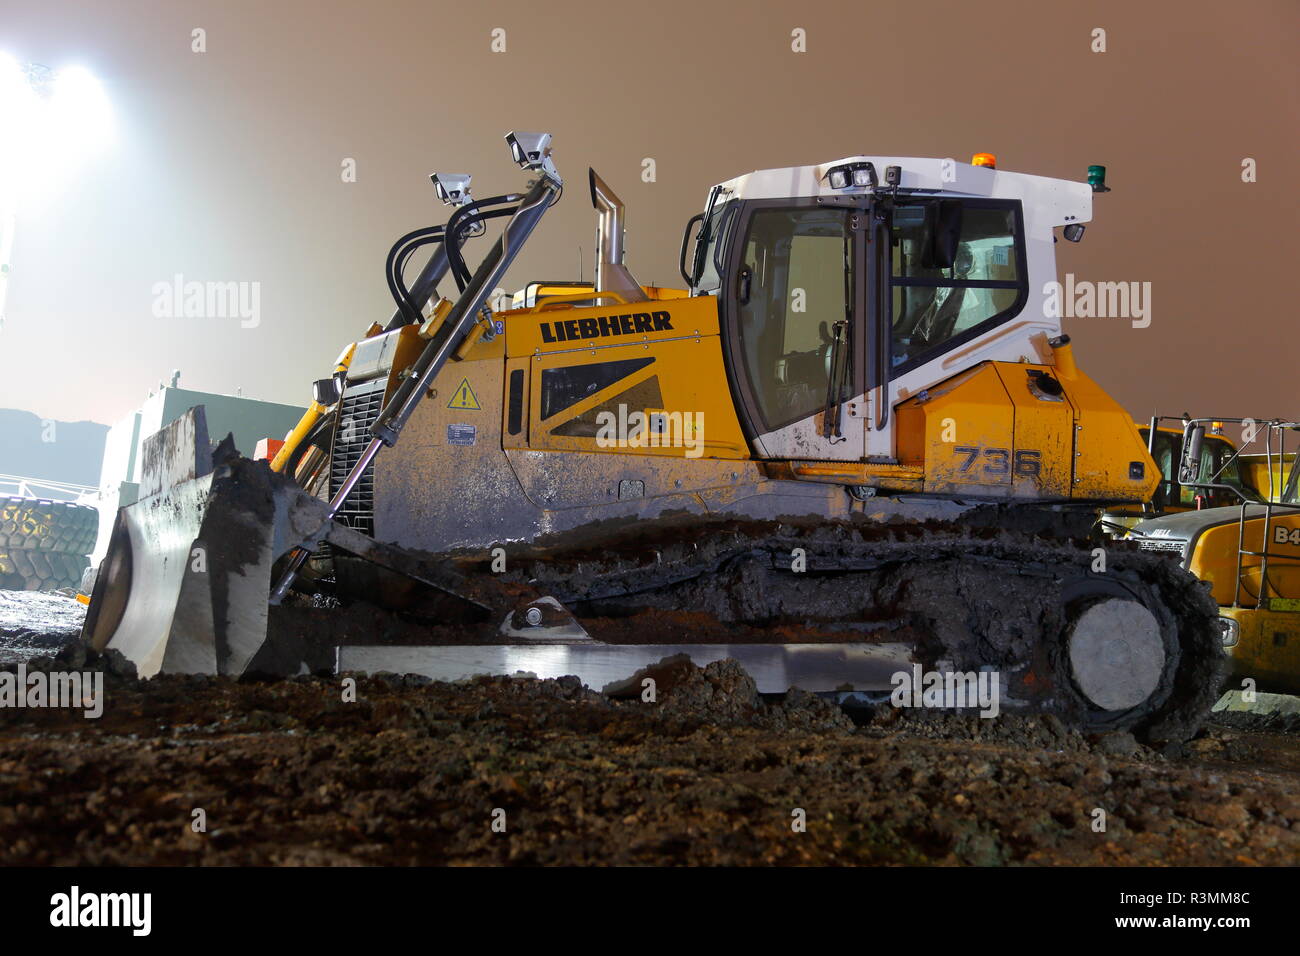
x,y
228,165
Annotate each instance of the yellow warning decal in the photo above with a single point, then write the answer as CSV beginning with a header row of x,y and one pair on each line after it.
x,y
464,397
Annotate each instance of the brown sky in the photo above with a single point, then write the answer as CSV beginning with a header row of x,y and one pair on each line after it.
x,y
226,164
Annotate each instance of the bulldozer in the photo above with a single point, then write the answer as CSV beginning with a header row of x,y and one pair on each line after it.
x,y
853,444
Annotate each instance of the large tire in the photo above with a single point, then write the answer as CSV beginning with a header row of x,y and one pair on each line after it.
x,y
43,544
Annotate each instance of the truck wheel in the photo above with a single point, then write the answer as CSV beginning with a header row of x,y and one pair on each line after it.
x,y
43,544
41,525
27,570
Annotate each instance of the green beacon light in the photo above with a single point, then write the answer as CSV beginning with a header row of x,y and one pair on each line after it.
x,y
1097,179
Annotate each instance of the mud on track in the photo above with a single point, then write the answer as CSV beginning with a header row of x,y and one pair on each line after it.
x,y
287,773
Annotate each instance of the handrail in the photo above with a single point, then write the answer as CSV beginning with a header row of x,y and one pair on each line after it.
x,y
22,485
575,297
1264,557
1276,428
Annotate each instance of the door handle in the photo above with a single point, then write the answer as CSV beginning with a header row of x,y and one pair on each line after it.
x,y
743,283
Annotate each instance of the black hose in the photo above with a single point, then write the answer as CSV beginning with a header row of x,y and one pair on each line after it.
x,y
464,219
417,237
460,272
463,276
397,279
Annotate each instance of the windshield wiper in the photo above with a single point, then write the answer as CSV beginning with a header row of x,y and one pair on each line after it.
x,y
835,387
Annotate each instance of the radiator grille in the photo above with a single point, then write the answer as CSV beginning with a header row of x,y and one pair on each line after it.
x,y
360,407
1162,544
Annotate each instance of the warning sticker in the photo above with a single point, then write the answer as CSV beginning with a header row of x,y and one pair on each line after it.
x,y
464,397
461,434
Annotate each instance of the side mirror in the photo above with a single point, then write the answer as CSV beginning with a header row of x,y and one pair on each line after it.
x,y
942,234
696,265
1189,470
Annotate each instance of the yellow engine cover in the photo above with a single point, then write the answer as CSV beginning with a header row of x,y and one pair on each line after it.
x,y
1015,430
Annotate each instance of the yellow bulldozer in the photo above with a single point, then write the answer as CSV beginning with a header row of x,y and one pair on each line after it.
x,y
854,444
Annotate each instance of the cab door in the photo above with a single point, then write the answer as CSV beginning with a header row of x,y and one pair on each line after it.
x,y
793,314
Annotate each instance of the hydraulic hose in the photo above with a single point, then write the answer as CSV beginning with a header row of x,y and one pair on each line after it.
x,y
415,238
459,271
407,300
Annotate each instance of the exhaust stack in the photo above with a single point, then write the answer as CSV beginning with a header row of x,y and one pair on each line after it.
x,y
611,274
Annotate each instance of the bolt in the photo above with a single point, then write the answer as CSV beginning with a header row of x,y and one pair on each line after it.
x,y
533,616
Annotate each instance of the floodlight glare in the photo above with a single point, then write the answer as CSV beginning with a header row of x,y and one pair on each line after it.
x,y
49,122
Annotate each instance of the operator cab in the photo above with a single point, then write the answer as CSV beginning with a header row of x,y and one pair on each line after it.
x,y
840,296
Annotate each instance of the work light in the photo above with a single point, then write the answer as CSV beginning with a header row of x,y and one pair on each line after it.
x,y
529,149
852,174
452,188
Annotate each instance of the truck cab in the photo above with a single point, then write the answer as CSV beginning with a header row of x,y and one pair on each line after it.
x,y
1249,555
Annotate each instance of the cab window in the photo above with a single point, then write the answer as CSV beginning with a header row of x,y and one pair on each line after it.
x,y
937,307
715,240
794,294
1216,466
1216,454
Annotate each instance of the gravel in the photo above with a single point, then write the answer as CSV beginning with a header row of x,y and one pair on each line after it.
x,y
396,769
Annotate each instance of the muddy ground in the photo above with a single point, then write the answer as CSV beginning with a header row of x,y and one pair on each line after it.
x,y
412,772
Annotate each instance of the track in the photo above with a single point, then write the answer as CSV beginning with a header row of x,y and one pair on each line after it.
x,y
968,595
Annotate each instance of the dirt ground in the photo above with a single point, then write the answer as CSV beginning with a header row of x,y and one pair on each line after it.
x,y
501,771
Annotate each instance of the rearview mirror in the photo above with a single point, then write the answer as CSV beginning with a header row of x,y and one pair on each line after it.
x,y
1189,470
696,266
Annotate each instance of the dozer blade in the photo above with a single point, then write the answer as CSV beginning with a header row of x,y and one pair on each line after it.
x,y
184,585
611,668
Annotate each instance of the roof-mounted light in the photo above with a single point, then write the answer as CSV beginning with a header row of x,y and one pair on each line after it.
x,y
1097,179
532,151
452,188
852,174
984,159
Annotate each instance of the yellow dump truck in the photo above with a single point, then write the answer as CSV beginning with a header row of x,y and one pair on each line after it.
x,y
1249,554
1219,455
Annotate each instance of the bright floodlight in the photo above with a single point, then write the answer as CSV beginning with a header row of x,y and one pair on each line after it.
x,y
50,122
79,110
